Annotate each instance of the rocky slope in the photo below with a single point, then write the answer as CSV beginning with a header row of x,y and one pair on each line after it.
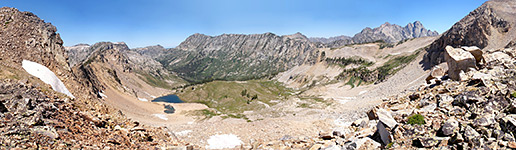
x,y
34,116
490,26
114,65
77,53
237,56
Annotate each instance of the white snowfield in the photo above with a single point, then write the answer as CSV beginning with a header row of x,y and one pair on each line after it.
x,y
161,116
223,141
143,99
45,75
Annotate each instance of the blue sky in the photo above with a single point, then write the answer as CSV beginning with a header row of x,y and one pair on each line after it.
x,y
142,23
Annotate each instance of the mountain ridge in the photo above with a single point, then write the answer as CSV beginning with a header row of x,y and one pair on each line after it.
x,y
238,56
387,32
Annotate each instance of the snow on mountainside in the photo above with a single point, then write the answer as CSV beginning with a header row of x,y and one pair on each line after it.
x,y
223,141
45,75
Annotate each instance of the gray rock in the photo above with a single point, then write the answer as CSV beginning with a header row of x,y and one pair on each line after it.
x,y
450,127
470,134
428,141
385,135
483,121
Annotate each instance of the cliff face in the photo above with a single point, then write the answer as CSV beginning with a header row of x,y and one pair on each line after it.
x,y
24,36
490,26
237,56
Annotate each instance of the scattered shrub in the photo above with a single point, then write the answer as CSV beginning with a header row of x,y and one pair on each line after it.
x,y
416,119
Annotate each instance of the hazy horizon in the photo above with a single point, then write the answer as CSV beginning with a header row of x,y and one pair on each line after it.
x,y
168,23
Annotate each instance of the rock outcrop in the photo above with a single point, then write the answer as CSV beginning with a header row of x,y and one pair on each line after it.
x,y
459,61
490,26
237,56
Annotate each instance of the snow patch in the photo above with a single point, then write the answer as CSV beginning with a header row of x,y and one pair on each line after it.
x,y
182,133
102,95
362,92
223,141
266,105
161,116
45,75
143,99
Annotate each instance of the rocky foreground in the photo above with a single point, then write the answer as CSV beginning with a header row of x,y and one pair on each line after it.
x,y
34,119
476,110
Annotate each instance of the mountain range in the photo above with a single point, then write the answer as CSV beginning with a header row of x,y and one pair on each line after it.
x,y
111,82
390,33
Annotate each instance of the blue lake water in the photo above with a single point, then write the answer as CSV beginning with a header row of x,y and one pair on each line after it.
x,y
168,99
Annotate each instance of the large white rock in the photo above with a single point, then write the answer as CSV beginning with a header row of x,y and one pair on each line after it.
x,y
458,60
385,117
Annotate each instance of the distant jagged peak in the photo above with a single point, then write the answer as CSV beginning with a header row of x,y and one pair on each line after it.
x,y
81,44
392,33
387,24
297,36
330,39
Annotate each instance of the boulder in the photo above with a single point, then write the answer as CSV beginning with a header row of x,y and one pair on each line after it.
x,y
483,121
470,134
500,57
458,60
444,100
475,51
428,141
382,135
437,72
450,127
385,117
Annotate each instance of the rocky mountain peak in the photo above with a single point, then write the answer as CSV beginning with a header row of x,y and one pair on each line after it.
x,y
297,36
418,24
385,24
387,32
392,33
